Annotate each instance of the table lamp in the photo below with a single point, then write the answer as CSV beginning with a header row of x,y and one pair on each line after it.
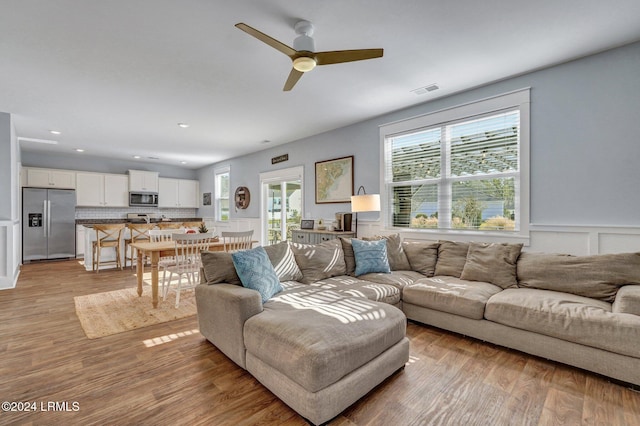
x,y
364,203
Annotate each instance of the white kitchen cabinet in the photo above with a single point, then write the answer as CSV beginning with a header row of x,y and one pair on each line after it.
x,y
102,190
143,181
181,193
50,178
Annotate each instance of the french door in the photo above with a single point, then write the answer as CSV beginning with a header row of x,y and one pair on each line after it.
x,y
281,204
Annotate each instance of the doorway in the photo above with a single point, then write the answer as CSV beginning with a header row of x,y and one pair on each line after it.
x,y
282,203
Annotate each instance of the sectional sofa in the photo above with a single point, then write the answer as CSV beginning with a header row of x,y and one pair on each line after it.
x,y
334,326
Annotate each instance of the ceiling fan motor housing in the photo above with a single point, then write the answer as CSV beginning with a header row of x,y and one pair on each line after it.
x,y
304,42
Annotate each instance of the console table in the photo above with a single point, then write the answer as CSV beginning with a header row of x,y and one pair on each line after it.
x,y
314,236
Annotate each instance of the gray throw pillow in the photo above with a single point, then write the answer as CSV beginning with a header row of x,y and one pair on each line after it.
x,y
395,252
349,256
597,277
283,261
493,263
217,267
451,258
422,256
319,261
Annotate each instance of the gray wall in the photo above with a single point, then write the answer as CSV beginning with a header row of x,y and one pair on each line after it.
x,y
7,168
101,165
585,144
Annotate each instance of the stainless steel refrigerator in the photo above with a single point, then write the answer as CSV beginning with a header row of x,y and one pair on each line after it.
x,y
48,223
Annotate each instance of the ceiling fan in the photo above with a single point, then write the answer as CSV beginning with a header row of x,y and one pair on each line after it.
x,y
302,54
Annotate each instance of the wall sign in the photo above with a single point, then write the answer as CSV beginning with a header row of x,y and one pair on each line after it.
x,y
280,158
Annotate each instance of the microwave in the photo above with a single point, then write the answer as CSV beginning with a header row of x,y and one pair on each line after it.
x,y
143,199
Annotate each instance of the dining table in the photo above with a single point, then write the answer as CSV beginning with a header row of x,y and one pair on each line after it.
x,y
154,251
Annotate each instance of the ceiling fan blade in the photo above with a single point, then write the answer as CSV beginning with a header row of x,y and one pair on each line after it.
x,y
339,56
267,39
293,78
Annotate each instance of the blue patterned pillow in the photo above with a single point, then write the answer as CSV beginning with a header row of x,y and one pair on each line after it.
x,y
256,272
371,256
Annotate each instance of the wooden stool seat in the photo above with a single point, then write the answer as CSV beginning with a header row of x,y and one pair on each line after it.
x,y
107,236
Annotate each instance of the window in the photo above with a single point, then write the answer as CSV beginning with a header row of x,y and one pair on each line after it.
x,y
222,194
460,169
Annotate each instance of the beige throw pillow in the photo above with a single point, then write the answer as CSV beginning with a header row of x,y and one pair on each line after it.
x,y
451,258
422,256
217,267
319,261
493,263
598,276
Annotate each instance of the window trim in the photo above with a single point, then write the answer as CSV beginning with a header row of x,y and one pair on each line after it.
x,y
516,99
217,211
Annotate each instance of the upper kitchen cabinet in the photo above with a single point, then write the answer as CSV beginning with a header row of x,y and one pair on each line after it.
x,y
143,181
50,178
102,190
181,193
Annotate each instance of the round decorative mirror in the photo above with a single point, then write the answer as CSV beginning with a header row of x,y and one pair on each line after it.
x,y
242,197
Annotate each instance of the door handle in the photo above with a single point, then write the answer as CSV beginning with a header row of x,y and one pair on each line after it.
x,y
48,218
44,213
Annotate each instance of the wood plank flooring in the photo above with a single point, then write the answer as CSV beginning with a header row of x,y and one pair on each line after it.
x,y
168,374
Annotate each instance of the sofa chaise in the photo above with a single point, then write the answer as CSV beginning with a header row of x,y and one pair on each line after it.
x,y
335,328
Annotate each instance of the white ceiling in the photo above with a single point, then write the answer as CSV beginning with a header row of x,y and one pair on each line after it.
x,y
115,77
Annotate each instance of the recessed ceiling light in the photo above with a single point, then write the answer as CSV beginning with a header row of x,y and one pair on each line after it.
x,y
55,132
183,162
183,125
136,156
79,150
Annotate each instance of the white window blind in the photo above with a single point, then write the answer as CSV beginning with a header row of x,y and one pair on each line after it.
x,y
463,173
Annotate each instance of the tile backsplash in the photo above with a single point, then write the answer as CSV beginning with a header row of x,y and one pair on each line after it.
x,y
121,212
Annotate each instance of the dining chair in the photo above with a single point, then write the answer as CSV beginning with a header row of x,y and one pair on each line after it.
x,y
235,241
187,262
108,235
160,235
138,232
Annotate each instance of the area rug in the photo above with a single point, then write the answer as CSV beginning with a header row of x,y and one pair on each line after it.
x,y
112,312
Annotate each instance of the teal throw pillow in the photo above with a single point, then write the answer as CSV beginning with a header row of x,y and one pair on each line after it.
x,y
371,256
256,272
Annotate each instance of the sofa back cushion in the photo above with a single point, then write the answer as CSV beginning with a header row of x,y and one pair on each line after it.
x,y
598,277
319,261
451,258
283,261
395,251
422,256
493,263
217,267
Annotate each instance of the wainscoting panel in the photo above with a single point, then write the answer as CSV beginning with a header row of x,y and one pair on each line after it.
x,y
10,253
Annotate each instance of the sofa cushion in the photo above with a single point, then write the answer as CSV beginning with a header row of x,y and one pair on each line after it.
x,y
422,256
493,263
349,257
451,258
597,276
256,272
357,287
395,251
283,261
627,300
316,337
450,294
217,267
371,256
567,316
396,278
318,261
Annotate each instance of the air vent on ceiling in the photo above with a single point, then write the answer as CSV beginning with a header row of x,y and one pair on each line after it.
x,y
425,89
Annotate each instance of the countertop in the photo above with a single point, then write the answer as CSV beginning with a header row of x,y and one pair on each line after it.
x,y
89,222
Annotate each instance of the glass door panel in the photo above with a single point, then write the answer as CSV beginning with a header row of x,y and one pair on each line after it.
x,y
284,209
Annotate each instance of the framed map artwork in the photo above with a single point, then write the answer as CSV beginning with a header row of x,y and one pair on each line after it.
x,y
334,180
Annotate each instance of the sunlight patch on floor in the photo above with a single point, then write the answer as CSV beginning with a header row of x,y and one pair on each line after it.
x,y
160,340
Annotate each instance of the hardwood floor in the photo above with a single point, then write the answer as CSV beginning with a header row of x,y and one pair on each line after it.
x,y
169,374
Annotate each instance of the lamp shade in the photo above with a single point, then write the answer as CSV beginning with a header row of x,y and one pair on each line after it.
x,y
365,203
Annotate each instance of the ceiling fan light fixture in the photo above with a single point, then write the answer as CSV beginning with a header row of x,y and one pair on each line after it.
x,y
304,64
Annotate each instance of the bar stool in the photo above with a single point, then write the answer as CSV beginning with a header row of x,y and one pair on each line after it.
x,y
138,232
107,235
